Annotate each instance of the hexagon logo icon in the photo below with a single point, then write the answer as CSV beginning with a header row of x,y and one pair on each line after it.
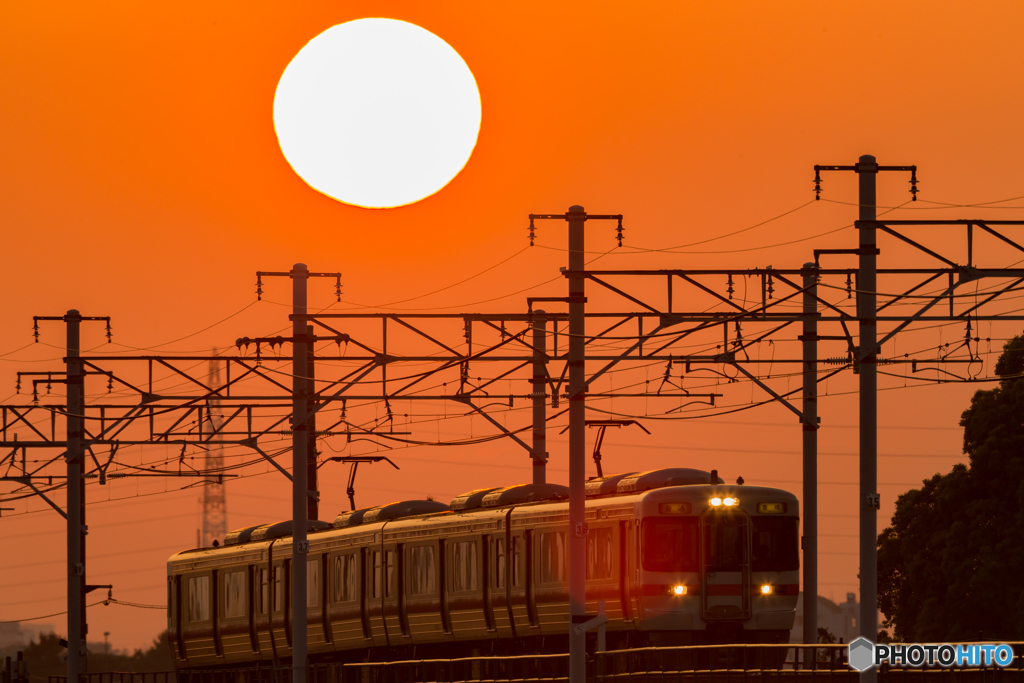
x,y
860,654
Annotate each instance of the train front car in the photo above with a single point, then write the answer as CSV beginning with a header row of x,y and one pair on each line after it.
x,y
717,564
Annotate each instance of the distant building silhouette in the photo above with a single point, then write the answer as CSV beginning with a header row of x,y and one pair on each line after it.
x,y
840,620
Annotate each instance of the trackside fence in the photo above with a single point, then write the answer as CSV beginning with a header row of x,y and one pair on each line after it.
x,y
696,664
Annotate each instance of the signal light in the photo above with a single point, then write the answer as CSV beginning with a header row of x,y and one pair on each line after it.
x,y
766,589
679,590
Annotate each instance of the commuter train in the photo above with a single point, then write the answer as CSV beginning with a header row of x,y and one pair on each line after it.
x,y
678,557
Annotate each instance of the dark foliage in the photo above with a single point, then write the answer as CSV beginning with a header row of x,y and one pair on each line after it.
x,y
44,659
951,565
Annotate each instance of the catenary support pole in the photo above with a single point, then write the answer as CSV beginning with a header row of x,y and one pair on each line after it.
x,y
577,449
75,458
867,171
810,433
313,500
300,443
540,406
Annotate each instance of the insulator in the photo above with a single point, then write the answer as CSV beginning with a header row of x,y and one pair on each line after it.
x,y
618,232
849,286
837,360
259,287
533,231
817,184
730,290
35,330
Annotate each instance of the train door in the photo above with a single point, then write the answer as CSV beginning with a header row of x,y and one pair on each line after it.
x,y
316,634
499,591
279,598
446,615
374,591
395,621
251,606
725,565
625,595
325,613
530,574
215,613
520,609
174,607
262,597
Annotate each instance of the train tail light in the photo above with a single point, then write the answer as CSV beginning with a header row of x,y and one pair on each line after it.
x,y
679,590
766,589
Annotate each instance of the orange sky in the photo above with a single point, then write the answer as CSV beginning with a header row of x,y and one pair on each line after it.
x,y
141,178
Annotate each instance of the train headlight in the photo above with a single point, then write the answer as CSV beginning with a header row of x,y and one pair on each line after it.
x,y
766,589
715,502
729,502
679,590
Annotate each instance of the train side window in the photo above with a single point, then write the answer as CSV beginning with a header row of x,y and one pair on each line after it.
x,y
375,574
669,544
234,594
599,554
199,598
552,557
499,563
343,578
466,566
776,544
313,582
390,564
423,572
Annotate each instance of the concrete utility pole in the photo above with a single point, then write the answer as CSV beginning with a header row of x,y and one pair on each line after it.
x,y
312,501
76,497
300,445
540,406
577,449
809,424
867,171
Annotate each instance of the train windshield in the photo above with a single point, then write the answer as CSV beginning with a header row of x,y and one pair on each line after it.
x,y
725,542
670,544
776,544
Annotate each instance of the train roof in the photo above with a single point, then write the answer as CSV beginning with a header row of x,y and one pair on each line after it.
x,y
616,489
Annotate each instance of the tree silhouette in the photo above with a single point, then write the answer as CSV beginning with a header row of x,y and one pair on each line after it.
x,y
951,565
43,659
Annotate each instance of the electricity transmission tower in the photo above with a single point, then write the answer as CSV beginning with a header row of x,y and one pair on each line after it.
x,y
214,496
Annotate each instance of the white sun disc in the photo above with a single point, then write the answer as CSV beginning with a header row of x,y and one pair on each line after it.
x,y
377,113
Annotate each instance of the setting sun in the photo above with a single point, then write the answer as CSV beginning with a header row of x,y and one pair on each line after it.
x,y
377,113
